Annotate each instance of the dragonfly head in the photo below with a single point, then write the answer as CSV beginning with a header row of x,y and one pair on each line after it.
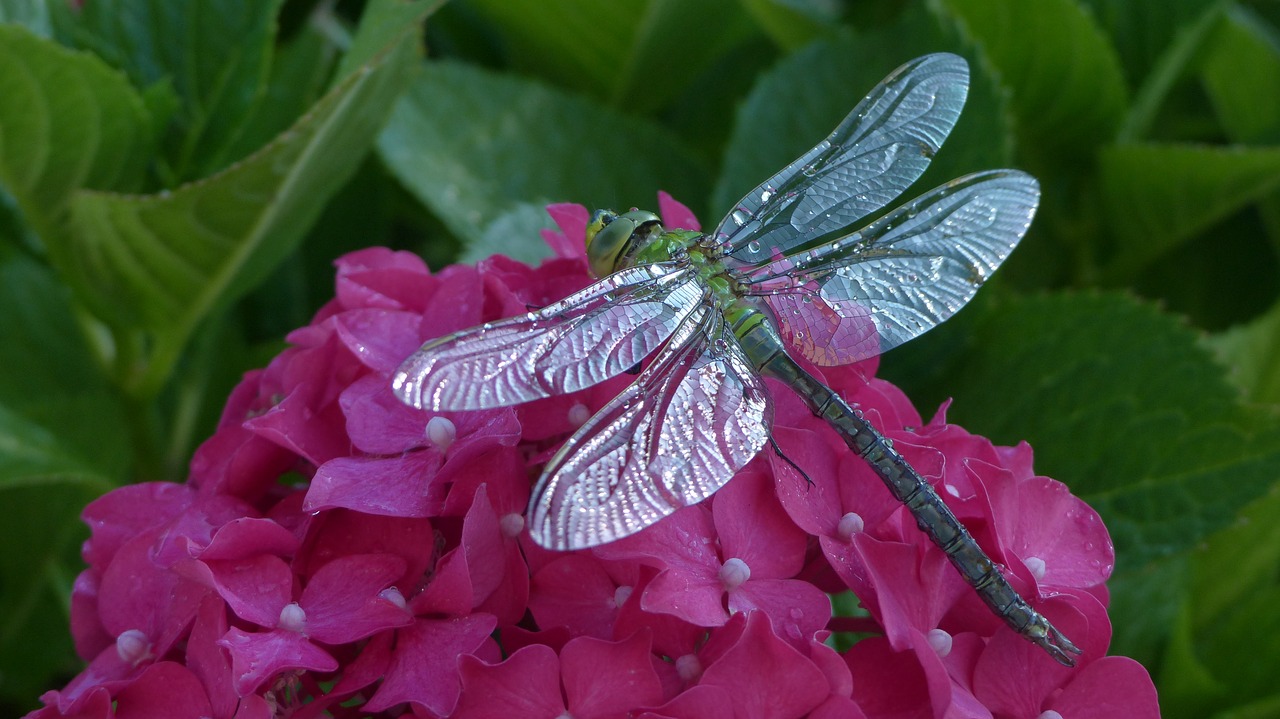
x,y
611,237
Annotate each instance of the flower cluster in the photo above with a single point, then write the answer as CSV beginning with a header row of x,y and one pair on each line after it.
x,y
337,553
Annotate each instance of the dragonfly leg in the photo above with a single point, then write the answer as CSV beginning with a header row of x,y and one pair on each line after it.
x,y
778,451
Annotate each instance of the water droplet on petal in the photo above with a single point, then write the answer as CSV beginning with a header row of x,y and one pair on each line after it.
x,y
511,525
393,595
293,618
621,595
133,647
734,573
1037,567
689,668
850,524
952,490
940,641
441,431
1049,714
579,414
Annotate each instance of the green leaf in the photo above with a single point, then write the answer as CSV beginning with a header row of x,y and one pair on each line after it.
x,y
523,220
1157,196
797,103
1253,353
1185,44
794,23
43,539
472,146
1068,91
164,262
31,14
214,53
62,443
300,73
67,121
636,54
1241,74
1123,404
1231,609
1144,30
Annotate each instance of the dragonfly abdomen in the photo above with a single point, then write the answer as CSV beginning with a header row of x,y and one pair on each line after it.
x,y
763,347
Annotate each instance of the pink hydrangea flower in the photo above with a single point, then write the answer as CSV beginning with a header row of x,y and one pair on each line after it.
x,y
336,553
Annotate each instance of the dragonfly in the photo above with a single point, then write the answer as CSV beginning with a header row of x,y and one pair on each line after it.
x,y
784,272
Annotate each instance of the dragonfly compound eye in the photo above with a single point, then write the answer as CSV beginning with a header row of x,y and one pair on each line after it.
x,y
611,237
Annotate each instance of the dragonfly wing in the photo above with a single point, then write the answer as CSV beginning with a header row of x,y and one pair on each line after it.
x,y
903,274
698,414
586,338
882,147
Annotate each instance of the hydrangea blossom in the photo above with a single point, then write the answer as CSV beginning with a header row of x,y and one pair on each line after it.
x,y
337,553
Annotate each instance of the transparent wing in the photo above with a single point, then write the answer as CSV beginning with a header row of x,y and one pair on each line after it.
x,y
903,274
693,418
882,147
584,339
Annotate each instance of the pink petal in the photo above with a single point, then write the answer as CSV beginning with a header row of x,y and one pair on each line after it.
x,y
96,704
424,666
525,685
400,486
86,626
377,421
249,537
833,667
797,609
256,588
107,673
1109,687
695,597
1066,533
576,592
342,599
753,527
301,425
450,592
166,689
1014,676
237,462
572,220
257,658
698,702
837,707
208,660
343,533
609,678
685,542
137,594
498,571
379,338
813,503
909,590
764,676
123,513
368,667
898,683
675,216
378,277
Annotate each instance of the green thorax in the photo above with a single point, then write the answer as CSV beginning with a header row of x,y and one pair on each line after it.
x,y
637,237
616,241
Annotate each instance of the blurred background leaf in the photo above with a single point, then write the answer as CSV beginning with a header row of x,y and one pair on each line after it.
x,y
176,180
